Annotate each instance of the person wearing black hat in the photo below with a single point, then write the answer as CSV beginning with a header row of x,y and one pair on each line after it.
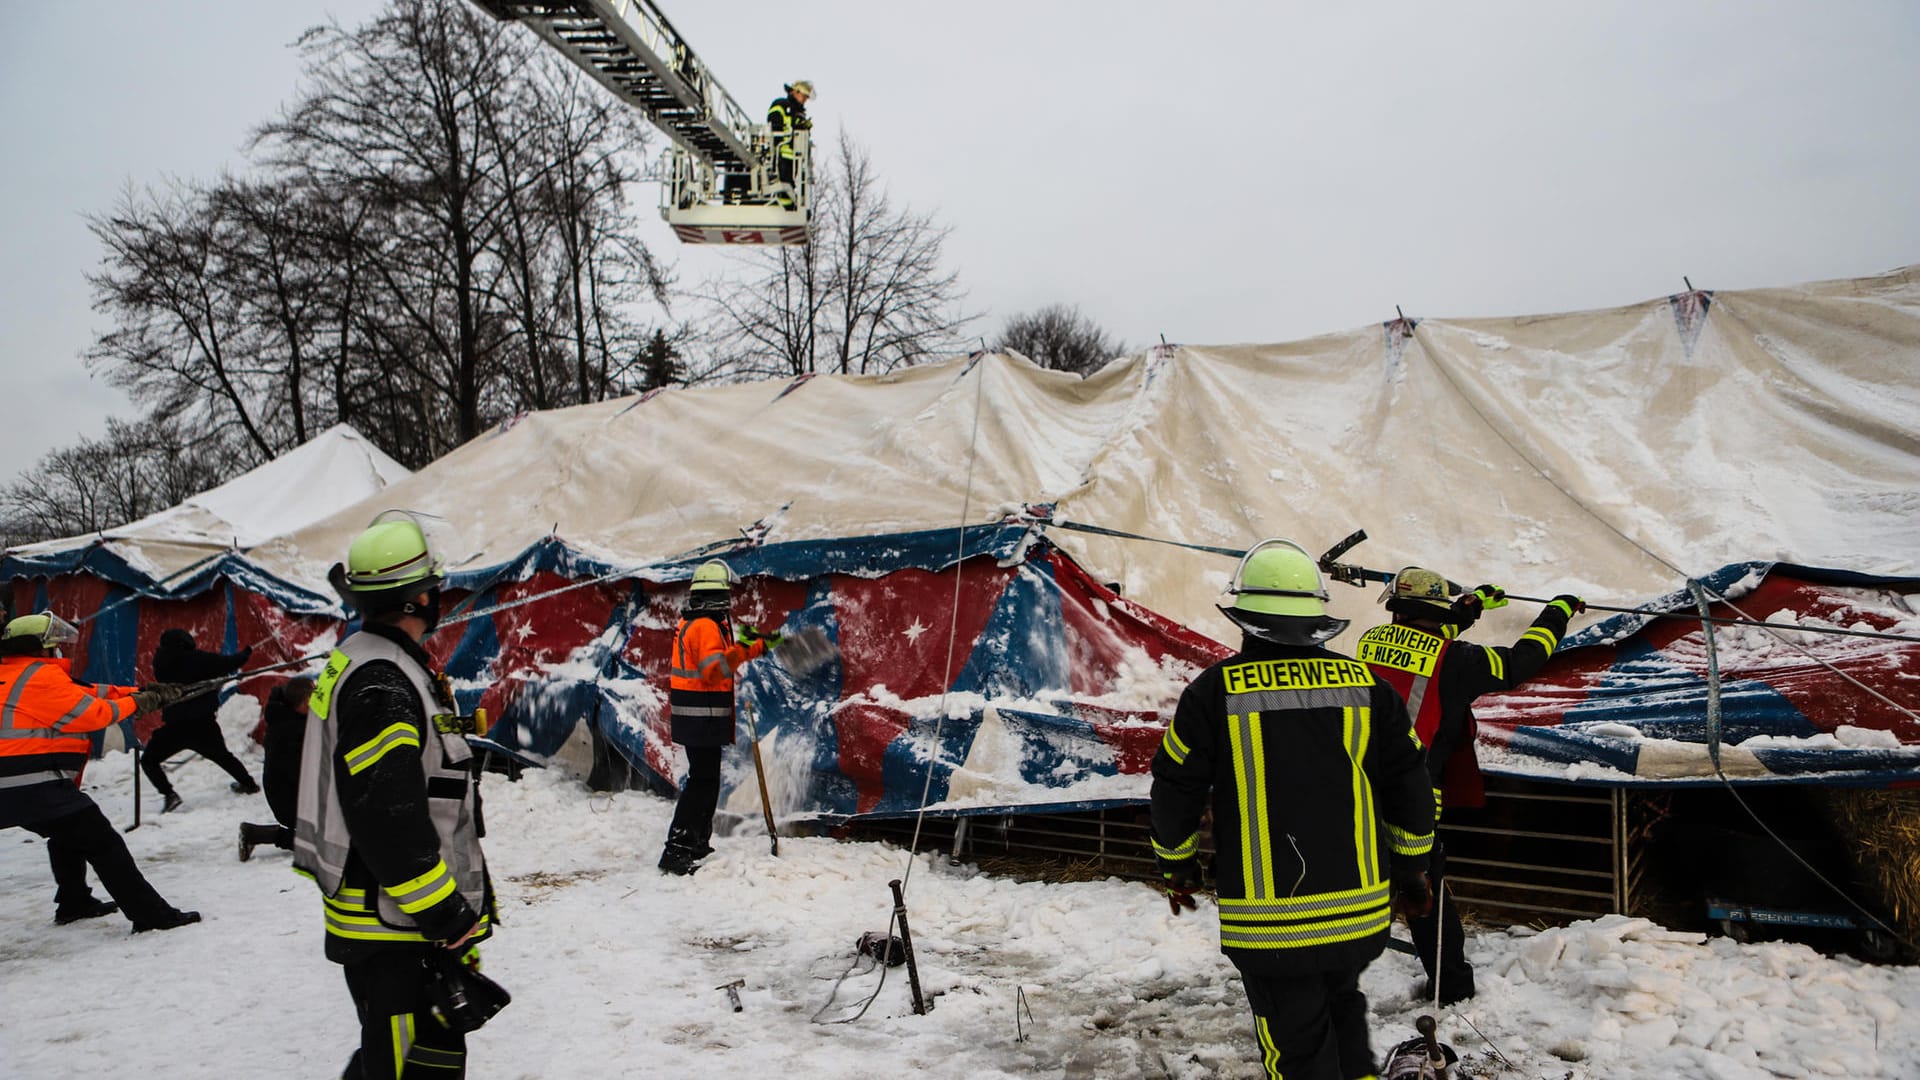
x,y
191,724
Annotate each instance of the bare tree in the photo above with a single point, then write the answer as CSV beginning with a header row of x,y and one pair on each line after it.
x,y
136,469
868,293
435,234
1058,336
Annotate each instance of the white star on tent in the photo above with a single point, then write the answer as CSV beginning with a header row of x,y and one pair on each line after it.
x,y
914,631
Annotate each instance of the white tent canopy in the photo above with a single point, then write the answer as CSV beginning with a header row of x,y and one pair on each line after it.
x,y
1605,453
334,468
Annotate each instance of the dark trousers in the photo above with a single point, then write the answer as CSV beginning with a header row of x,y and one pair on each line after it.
x,y
202,739
76,840
1311,1027
397,1028
1456,975
692,828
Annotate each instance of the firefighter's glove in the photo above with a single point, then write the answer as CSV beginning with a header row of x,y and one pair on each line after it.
x,y
158,696
750,633
1570,603
1413,895
1181,879
1490,597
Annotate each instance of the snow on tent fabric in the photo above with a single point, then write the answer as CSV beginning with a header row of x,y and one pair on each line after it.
x,y
1471,446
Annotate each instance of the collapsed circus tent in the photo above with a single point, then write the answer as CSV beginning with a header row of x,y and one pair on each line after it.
x,y
1608,453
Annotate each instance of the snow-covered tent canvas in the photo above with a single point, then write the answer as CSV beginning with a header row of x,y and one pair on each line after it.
x,y
1630,701
1610,453
187,565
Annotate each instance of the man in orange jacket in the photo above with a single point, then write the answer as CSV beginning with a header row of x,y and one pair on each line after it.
x,y
706,655
45,722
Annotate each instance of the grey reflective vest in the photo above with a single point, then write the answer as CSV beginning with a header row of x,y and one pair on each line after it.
x,y
321,842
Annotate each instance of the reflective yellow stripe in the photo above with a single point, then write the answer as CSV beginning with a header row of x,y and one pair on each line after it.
x,y
1269,1053
396,735
1341,902
424,891
1250,781
1187,849
1498,666
1175,747
1305,935
1544,636
402,1041
1356,729
1406,843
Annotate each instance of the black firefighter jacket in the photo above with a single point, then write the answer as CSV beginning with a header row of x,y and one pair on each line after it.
x,y
1320,800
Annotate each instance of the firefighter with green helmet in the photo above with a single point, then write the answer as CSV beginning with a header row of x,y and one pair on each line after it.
x,y
1321,815
388,815
707,653
1439,677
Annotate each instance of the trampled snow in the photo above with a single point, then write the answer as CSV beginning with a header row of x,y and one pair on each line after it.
x,y
616,968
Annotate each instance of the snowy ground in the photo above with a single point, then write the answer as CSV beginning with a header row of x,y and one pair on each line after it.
x,y
615,968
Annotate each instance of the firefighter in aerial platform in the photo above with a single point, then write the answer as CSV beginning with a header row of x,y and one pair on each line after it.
x,y
785,116
1311,767
1439,677
388,812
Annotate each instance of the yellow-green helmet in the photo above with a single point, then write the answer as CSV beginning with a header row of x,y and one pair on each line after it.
x,y
1414,587
1278,577
711,576
804,86
391,553
44,627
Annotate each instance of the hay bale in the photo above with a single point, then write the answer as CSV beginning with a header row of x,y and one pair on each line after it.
x,y
1883,829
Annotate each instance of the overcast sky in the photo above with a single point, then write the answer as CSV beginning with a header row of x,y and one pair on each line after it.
x,y
1213,172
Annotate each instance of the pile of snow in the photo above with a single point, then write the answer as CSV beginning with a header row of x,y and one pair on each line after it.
x,y
616,969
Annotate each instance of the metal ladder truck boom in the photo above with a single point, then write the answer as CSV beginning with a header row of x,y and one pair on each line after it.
x,y
722,186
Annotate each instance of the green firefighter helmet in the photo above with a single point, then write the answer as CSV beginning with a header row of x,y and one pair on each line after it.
x,y
712,576
392,553
1278,577
44,627
1415,586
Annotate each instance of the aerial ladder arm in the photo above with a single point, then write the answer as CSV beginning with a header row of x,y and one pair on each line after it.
x,y
721,186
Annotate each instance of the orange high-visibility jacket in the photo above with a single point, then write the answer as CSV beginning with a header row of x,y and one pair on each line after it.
x,y
700,681
45,718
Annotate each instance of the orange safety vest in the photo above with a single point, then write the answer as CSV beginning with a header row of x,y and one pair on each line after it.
x,y
700,679
46,718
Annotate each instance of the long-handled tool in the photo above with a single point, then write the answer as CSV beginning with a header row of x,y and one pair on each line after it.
x,y
1360,576
760,770
136,783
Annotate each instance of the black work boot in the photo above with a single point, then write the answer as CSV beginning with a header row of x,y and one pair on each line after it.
x,y
91,908
167,921
252,836
244,787
173,802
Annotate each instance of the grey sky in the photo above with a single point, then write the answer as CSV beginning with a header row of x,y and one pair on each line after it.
x,y
1215,172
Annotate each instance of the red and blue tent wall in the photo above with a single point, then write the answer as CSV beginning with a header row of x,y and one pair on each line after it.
x,y
1034,635
1650,674
121,611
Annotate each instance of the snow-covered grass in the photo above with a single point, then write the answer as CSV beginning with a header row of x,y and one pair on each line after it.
x,y
616,968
